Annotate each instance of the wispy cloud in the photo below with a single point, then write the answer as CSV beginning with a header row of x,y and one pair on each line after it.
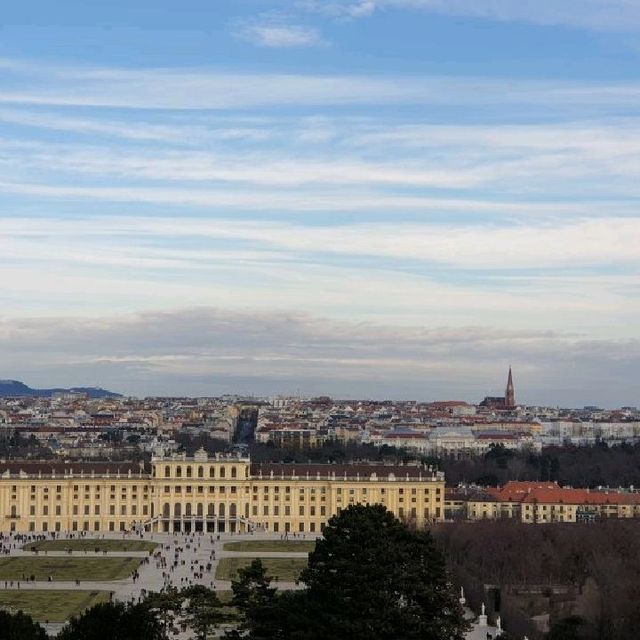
x,y
277,32
42,84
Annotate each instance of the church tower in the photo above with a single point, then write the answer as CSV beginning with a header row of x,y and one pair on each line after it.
x,y
510,394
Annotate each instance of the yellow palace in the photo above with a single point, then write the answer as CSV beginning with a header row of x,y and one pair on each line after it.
x,y
225,493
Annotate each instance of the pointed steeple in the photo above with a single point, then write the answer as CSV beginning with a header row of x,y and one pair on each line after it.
x,y
510,394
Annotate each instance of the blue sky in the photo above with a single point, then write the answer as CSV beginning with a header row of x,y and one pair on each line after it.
x,y
375,198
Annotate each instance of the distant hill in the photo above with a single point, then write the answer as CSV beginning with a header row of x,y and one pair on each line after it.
x,y
16,388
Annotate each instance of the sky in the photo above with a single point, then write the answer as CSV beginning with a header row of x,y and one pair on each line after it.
x,y
359,198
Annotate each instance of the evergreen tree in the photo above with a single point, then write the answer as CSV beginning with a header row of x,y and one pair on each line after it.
x,y
370,578
113,621
202,611
255,598
19,626
165,606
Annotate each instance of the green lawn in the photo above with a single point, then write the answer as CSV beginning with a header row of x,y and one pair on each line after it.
x,y
91,545
51,605
298,546
66,568
285,569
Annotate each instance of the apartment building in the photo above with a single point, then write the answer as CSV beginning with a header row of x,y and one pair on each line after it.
x,y
534,502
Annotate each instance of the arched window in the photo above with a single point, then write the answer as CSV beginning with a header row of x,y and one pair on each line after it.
x,y
188,472
232,510
211,510
200,509
212,472
200,472
177,510
187,511
222,472
166,510
167,471
178,472
233,472
221,510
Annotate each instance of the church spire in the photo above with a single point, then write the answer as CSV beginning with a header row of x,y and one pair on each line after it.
x,y
510,394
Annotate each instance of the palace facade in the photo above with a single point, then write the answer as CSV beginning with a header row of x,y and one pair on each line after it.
x,y
212,494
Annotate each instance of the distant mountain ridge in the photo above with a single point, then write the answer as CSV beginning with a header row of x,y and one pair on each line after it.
x,y
12,388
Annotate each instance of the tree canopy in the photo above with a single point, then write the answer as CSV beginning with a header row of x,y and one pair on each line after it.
x,y
369,578
19,626
115,621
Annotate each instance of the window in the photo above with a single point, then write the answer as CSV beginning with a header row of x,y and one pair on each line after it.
x,y
200,472
45,511
58,510
189,470
212,472
222,472
167,471
233,472
178,472
112,509
96,510
32,510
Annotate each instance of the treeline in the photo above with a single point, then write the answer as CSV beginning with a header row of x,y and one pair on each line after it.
x,y
585,466
585,576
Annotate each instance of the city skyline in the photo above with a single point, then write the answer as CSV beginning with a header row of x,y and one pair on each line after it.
x,y
374,198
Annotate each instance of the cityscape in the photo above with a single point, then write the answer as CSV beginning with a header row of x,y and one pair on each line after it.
x,y
319,320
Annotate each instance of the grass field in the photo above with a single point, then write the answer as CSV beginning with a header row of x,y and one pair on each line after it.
x,y
285,569
66,568
52,605
297,546
91,545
